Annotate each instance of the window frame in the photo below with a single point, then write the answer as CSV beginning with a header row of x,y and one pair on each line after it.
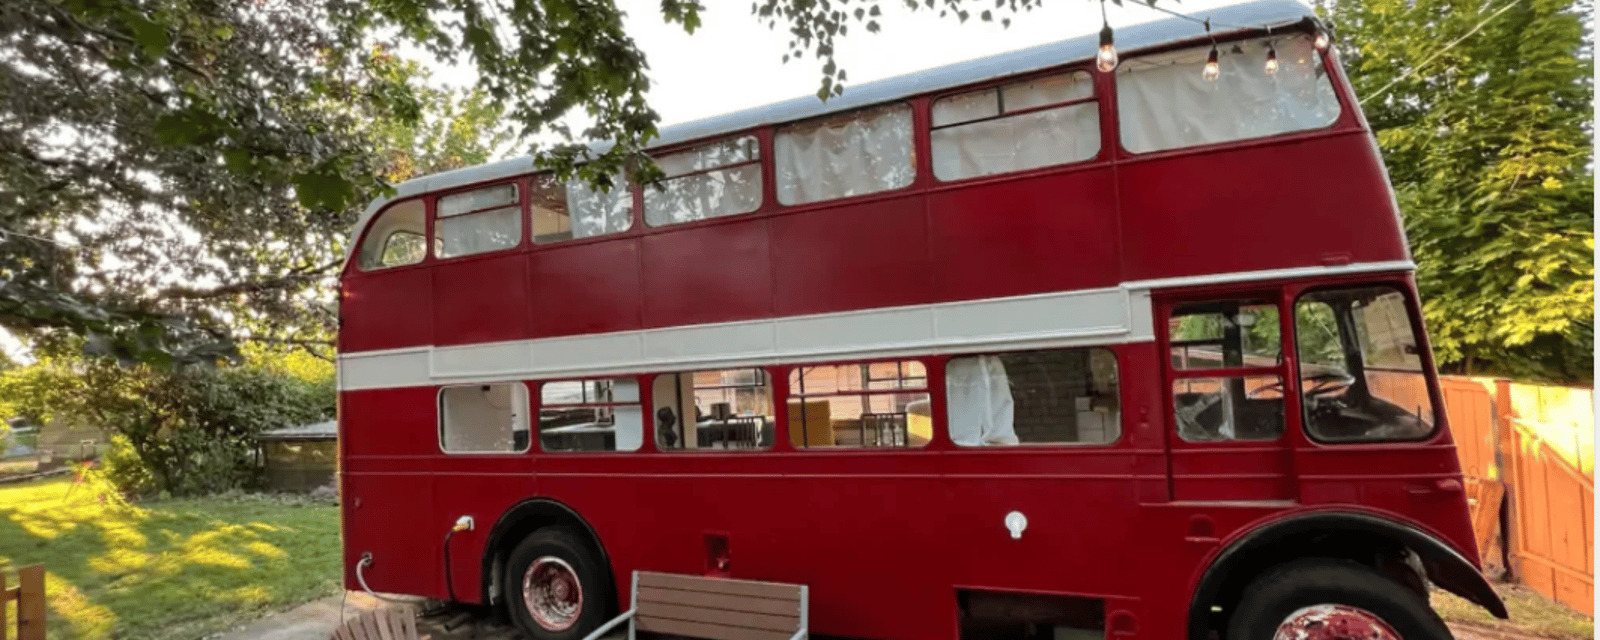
x,y
1424,356
1172,374
372,224
646,428
758,142
518,202
918,116
790,392
1337,82
1123,433
528,405
998,86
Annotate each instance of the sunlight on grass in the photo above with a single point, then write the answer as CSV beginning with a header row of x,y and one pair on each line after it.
x,y
136,572
1531,613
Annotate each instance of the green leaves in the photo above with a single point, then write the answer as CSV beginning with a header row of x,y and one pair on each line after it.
x,y
1487,144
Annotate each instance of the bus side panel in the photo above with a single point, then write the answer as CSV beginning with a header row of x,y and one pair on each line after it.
x,y
861,256
386,310
1056,232
1257,207
480,299
584,288
707,273
388,516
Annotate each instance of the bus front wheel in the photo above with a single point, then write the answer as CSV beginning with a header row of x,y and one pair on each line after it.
x,y
556,586
1326,599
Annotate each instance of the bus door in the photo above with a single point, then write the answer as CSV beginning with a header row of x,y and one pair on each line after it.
x,y
1228,430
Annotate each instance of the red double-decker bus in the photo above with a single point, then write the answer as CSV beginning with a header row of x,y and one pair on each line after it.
x,y
1017,347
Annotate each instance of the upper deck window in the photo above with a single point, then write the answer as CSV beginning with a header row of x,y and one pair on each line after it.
x,y
1163,102
575,210
396,238
1024,125
851,154
718,179
477,221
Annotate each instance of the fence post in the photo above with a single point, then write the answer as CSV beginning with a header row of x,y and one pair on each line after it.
x,y
31,604
1506,458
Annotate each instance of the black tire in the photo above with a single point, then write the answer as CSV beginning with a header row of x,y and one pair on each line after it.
x,y
1283,590
593,579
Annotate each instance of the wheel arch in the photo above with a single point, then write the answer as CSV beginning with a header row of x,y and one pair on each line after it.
x,y
1357,536
519,522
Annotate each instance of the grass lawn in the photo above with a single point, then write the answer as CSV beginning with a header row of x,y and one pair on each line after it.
x,y
167,569
1531,614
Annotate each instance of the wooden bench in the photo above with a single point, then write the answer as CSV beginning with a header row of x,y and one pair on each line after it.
x,y
388,623
29,596
713,608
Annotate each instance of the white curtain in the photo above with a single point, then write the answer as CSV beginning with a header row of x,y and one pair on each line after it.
x,y
858,153
723,192
478,232
980,404
1163,102
1016,143
597,213
482,418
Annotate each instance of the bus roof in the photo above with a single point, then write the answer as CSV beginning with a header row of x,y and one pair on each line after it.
x,y
1130,39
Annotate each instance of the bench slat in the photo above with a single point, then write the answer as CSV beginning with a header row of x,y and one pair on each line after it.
x,y
720,585
708,631
789,623
720,601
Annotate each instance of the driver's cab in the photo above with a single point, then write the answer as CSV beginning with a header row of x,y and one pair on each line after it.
x,y
1254,373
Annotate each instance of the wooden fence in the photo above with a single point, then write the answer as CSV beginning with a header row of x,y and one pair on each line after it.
x,y
29,596
1527,453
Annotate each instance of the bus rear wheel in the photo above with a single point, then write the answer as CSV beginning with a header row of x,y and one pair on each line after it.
x,y
556,585
1332,600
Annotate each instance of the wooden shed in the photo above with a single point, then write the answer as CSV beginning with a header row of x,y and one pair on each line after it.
x,y
300,459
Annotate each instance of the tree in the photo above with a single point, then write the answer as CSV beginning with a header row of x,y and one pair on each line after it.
x,y
184,429
1483,113
173,169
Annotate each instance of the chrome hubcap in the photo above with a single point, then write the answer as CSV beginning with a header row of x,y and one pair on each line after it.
x,y
1334,622
552,593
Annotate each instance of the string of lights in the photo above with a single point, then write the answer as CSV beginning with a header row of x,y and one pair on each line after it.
x,y
1106,60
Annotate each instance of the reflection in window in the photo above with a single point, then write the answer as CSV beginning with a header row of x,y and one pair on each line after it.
x,y
1230,333
1164,103
395,238
1009,128
723,409
575,210
590,415
1360,369
877,404
486,418
477,221
1034,397
718,179
852,154
1228,408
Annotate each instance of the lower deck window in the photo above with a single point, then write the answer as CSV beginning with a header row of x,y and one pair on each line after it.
x,y
590,415
876,404
484,418
1057,396
721,409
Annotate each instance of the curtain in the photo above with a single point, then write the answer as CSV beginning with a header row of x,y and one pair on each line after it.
x,y
1163,102
858,153
980,404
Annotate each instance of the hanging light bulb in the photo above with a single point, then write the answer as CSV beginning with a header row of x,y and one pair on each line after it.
x,y
1321,41
1212,70
1272,60
1107,60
